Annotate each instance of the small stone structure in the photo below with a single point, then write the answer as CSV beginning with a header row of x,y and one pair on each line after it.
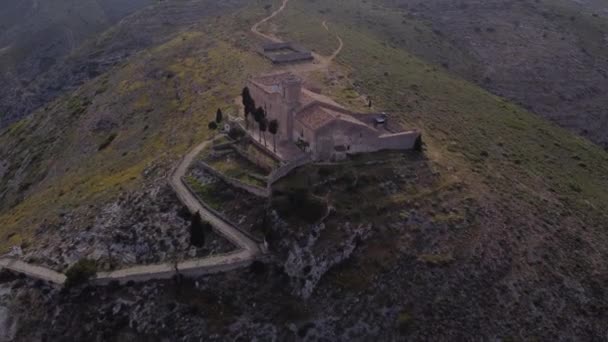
x,y
322,128
281,53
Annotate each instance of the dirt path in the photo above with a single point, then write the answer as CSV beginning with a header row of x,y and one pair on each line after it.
x,y
340,44
231,233
33,271
247,249
256,28
320,63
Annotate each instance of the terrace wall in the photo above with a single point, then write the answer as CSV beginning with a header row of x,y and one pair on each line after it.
x,y
218,214
284,170
256,161
254,190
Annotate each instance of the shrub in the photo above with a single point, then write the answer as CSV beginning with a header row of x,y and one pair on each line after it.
x,y
236,133
80,272
219,116
198,230
107,142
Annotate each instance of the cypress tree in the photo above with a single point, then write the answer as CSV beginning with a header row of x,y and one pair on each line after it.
x,y
197,231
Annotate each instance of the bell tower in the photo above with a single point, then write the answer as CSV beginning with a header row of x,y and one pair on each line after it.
x,y
292,90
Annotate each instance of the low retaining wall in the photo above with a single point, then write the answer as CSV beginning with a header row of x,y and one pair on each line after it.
x,y
223,146
290,57
190,268
261,164
32,271
220,215
296,53
284,170
254,190
263,148
136,274
398,141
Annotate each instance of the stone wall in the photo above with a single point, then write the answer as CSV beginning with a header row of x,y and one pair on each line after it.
x,y
254,190
291,57
284,170
295,53
218,214
190,268
265,149
397,141
257,161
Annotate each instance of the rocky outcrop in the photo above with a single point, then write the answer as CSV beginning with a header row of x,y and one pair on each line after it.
x,y
55,61
306,265
8,323
3,167
142,227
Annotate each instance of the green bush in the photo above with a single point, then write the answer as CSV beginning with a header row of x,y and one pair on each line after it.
x,y
80,272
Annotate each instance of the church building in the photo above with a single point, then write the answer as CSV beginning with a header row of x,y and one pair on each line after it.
x,y
319,125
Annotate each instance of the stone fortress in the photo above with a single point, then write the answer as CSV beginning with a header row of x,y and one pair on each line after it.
x,y
321,127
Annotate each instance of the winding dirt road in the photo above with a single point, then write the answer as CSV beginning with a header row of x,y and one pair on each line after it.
x,y
247,249
32,271
231,233
256,28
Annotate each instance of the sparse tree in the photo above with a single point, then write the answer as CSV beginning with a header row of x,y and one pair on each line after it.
x,y
273,128
249,110
248,105
259,115
80,272
219,116
212,127
418,145
264,128
246,96
197,231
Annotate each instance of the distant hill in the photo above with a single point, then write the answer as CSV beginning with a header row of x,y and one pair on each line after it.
x,y
548,56
36,35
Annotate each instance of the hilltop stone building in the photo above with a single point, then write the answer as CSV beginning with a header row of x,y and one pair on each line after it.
x,y
320,126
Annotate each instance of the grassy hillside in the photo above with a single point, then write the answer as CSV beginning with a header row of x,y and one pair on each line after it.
x,y
481,134
57,47
121,129
41,32
537,238
548,56
497,231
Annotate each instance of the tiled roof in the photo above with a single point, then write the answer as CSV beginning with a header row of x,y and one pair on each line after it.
x,y
318,115
316,110
315,116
